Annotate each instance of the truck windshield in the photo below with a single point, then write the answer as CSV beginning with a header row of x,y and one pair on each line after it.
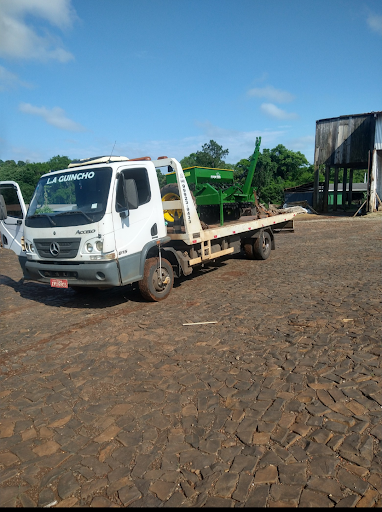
x,y
70,198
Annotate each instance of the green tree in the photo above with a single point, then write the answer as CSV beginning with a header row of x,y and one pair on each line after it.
x,y
56,163
161,178
212,155
289,164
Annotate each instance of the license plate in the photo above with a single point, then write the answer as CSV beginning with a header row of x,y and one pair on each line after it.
x,y
59,283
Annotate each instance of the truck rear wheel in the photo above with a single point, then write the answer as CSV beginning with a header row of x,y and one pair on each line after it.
x,y
156,283
262,246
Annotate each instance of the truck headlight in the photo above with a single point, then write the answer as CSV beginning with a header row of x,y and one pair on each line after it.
x,y
89,247
99,245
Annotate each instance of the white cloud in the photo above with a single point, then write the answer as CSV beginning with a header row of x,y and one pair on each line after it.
x,y
375,23
22,41
55,117
272,94
304,144
9,80
272,111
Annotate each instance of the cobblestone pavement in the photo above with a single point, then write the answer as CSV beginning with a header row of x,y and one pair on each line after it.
x,y
110,401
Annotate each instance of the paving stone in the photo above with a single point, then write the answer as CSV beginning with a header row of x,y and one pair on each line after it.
x,y
24,452
311,498
377,432
337,394
298,453
293,474
369,499
46,497
129,494
162,489
327,486
283,453
318,449
301,429
258,496
323,466
142,464
267,475
243,487
321,435
8,496
8,459
375,481
188,490
93,486
348,501
287,493
352,481
357,470
226,484
218,502
100,502
315,421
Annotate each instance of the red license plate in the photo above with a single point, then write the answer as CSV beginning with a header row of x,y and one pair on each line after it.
x,y
59,283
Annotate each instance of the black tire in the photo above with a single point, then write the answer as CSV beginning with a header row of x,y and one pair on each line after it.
x,y
248,249
171,190
262,246
151,286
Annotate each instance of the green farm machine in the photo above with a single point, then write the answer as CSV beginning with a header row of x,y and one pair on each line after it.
x,y
216,196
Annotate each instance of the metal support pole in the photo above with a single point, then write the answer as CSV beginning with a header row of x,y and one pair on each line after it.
x,y
344,181
335,200
326,189
316,189
350,194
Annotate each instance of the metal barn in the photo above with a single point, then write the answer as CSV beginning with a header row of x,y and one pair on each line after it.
x,y
348,143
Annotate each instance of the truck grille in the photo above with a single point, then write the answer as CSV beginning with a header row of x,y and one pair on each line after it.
x,y
60,248
58,273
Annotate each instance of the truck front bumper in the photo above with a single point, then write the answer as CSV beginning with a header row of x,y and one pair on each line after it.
x,y
99,274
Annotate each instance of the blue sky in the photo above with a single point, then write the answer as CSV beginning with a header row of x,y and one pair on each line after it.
x,y
163,77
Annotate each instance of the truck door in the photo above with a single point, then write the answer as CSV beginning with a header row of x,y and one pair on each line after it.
x,y
12,227
137,226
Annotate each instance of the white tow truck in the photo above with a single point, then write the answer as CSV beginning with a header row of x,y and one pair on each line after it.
x,y
101,223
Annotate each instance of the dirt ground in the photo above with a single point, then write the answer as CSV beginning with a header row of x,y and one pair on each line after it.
x,y
107,400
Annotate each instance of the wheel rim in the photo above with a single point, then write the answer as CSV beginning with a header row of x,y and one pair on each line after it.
x,y
161,279
265,244
169,215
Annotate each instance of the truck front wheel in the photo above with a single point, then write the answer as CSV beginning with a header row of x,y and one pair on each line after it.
x,y
157,282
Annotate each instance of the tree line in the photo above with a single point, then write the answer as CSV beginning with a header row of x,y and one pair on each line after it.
x,y
276,169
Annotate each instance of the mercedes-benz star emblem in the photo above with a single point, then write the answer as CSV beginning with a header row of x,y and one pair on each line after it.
x,y
54,249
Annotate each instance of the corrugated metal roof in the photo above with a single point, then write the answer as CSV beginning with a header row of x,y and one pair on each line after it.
x,y
356,187
377,113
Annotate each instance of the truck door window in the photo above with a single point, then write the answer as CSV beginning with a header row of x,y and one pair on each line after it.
x,y
141,179
12,201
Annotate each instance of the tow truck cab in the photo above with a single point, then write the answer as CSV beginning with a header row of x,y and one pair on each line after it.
x,y
91,225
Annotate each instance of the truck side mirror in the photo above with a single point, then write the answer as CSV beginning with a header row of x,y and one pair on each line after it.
x,y
131,194
3,208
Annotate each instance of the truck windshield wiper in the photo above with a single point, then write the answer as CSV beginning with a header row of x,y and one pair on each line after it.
x,y
35,216
72,212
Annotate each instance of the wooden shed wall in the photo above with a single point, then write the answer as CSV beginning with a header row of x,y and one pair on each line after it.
x,y
345,141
